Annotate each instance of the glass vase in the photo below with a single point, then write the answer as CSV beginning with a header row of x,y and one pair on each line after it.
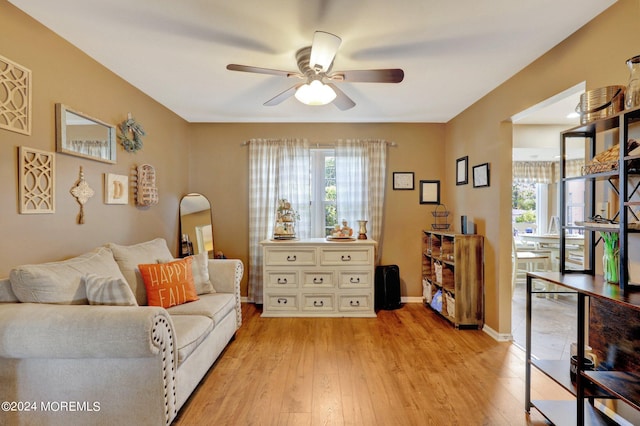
x,y
610,265
632,93
362,229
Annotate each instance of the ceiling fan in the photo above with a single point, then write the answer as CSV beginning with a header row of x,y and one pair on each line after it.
x,y
314,64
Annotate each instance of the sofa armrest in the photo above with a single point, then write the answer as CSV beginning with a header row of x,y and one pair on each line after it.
x,y
225,275
36,330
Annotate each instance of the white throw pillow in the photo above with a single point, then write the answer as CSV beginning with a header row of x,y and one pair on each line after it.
x,y
129,257
108,291
200,269
61,282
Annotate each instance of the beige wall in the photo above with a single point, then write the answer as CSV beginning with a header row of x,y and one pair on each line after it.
x,y
595,54
219,166
61,73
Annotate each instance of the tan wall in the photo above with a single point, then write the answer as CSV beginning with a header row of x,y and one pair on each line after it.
x,y
61,73
220,164
217,164
595,54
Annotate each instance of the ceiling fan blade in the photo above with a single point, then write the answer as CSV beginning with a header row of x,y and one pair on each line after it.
x,y
392,75
258,70
323,50
283,96
342,101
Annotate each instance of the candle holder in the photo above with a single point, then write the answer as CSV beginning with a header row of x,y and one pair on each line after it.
x,y
362,231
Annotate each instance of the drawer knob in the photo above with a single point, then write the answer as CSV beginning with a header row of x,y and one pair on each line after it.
x,y
291,258
354,280
317,280
354,302
318,303
282,300
346,258
282,280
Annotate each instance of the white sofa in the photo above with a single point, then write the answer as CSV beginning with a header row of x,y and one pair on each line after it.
x,y
66,362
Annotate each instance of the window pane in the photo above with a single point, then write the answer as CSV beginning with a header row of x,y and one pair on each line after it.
x,y
330,193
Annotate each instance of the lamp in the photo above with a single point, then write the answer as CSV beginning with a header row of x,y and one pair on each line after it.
x,y
315,93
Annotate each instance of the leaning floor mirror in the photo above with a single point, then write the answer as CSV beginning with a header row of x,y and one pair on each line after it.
x,y
195,225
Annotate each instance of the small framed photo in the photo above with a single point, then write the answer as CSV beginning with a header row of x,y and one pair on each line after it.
x,y
116,189
429,192
481,175
462,170
403,181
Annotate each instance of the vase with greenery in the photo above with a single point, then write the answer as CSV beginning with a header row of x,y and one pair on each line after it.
x,y
611,257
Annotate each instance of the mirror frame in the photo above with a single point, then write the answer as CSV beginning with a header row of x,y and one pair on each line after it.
x,y
61,135
211,253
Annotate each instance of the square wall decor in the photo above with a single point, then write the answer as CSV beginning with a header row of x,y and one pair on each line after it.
x,y
15,97
481,175
403,180
116,189
429,192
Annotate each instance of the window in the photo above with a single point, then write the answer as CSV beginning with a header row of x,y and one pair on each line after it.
x,y
524,204
323,192
575,207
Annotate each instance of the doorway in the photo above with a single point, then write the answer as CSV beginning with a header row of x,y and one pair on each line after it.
x,y
535,220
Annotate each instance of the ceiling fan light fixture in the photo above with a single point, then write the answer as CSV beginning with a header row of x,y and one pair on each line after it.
x,y
315,93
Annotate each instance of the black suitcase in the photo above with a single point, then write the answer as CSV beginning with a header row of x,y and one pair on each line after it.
x,y
387,287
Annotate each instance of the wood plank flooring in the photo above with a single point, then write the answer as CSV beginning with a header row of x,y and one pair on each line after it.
x,y
405,367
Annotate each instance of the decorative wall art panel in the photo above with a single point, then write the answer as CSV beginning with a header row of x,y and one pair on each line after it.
x,y
116,189
36,181
15,97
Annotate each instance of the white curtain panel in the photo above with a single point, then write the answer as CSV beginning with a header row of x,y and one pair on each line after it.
x,y
360,184
278,168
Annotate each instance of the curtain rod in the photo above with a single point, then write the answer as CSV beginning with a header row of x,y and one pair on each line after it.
x,y
324,144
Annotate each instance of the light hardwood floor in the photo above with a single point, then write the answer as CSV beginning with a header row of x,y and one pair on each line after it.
x,y
405,367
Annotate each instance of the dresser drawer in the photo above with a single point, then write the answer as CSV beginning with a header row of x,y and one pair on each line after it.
x,y
355,279
291,257
277,279
317,302
317,279
356,302
343,257
281,302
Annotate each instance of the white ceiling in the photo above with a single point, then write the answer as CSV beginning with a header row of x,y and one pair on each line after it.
x,y
452,52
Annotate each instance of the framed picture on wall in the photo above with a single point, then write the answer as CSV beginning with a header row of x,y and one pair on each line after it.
x,y
116,189
403,180
429,192
462,170
481,175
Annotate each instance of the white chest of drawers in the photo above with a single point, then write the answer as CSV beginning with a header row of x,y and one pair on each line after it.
x,y
316,277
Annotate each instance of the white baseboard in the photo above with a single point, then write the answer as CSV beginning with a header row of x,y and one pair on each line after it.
x,y
500,337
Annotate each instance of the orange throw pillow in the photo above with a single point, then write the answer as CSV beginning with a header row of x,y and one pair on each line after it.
x,y
169,284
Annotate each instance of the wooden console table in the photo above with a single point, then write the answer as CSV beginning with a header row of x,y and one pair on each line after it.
x,y
589,385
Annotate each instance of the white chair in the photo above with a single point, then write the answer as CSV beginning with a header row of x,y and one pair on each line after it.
x,y
533,260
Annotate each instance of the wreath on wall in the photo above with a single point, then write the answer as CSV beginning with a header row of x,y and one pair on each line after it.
x,y
131,133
